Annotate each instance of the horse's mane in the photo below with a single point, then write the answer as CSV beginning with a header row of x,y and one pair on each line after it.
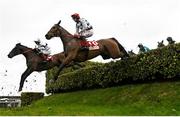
x,y
24,46
68,33
64,30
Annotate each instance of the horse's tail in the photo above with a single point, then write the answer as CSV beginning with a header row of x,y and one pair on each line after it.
x,y
121,48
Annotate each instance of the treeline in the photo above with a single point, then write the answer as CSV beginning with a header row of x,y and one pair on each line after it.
x,y
159,64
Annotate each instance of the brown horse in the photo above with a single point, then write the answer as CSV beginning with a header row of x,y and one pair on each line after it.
x,y
34,61
108,48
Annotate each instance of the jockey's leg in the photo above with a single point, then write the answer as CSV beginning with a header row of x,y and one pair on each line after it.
x,y
86,34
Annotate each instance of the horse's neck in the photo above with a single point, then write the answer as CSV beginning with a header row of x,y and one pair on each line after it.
x,y
66,37
27,52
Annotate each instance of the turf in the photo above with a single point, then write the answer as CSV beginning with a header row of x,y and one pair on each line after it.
x,y
160,98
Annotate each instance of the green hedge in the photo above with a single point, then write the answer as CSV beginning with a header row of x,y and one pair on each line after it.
x,y
50,73
28,97
161,63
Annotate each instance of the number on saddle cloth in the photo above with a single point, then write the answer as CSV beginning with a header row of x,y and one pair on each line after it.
x,y
46,57
93,45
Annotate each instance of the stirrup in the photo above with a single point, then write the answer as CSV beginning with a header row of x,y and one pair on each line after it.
x,y
84,48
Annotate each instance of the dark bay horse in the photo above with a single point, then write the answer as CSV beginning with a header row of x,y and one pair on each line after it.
x,y
108,48
34,62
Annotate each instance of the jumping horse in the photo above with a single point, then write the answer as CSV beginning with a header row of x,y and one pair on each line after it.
x,y
34,61
108,48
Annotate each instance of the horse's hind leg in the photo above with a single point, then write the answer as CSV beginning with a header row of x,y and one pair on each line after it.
x,y
111,53
23,77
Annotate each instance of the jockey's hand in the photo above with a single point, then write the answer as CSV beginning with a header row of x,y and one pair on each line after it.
x,y
76,35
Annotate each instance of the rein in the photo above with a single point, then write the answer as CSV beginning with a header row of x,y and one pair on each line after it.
x,y
69,36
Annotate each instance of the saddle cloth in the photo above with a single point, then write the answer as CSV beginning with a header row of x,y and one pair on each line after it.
x,y
93,45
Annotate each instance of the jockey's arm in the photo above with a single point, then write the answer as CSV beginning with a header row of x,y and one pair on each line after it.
x,y
77,29
84,25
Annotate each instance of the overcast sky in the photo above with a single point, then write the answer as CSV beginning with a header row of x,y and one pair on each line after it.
x,y
129,21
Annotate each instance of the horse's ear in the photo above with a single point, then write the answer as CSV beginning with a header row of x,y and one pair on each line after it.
x,y
59,22
18,44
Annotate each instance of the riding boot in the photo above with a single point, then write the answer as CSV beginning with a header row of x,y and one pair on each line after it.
x,y
84,44
85,48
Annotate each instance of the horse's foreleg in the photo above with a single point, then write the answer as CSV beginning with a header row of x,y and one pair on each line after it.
x,y
66,61
23,77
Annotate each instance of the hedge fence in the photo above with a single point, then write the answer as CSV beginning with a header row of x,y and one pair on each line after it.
x,y
161,63
28,97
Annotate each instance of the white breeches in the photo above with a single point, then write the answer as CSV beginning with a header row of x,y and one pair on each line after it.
x,y
86,33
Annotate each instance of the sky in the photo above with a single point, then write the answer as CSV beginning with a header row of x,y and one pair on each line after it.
x,y
129,21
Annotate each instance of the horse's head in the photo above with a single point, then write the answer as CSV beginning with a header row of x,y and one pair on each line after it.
x,y
15,51
54,31
161,44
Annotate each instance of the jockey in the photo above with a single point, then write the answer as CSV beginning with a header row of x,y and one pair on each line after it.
x,y
43,49
83,27
143,48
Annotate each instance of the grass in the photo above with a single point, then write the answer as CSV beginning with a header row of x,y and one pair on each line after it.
x,y
139,99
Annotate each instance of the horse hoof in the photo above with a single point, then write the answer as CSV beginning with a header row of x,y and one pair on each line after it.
x,y
19,90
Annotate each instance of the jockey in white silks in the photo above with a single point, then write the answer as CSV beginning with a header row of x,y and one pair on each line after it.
x,y
43,49
83,28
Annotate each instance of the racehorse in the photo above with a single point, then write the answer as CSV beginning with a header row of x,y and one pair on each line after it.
x,y
108,48
34,61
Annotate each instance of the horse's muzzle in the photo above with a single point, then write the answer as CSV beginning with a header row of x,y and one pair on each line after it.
x,y
9,56
48,37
